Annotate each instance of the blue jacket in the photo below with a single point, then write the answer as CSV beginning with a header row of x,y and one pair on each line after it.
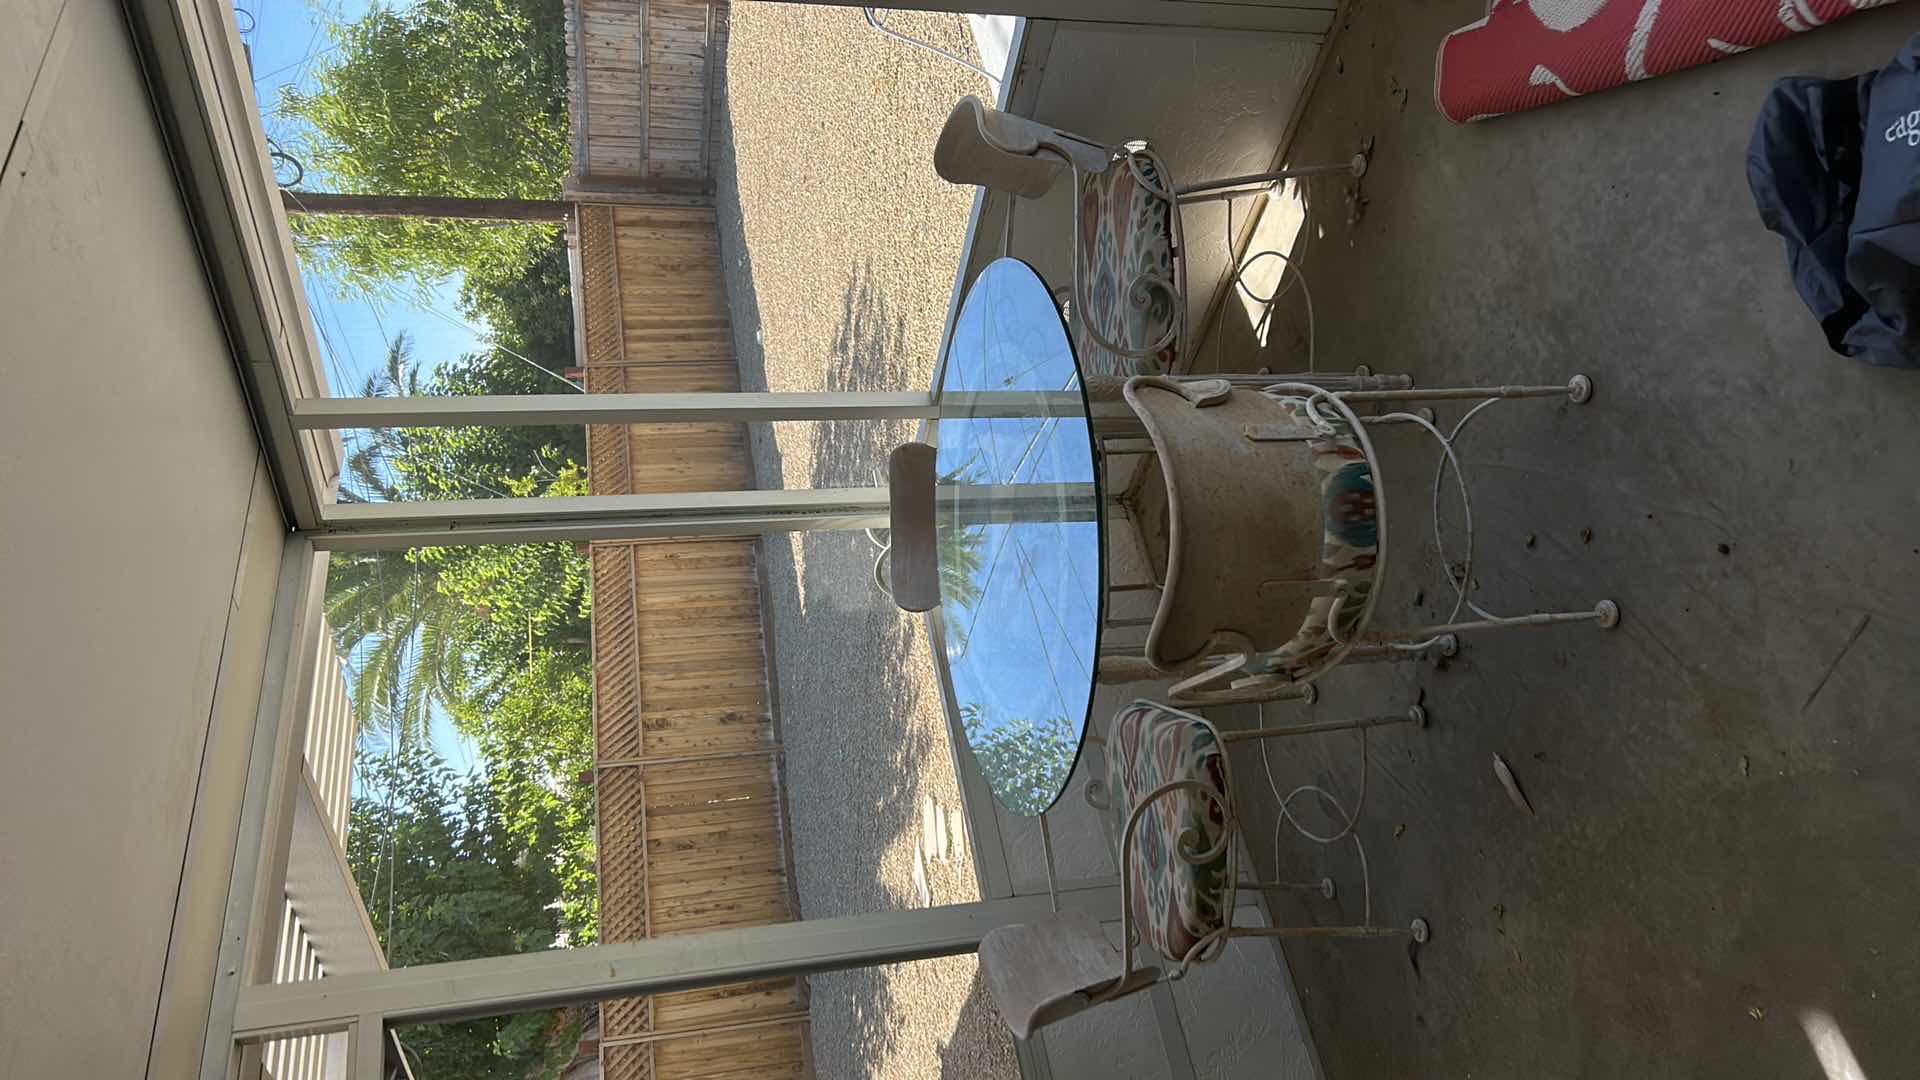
x,y
1834,165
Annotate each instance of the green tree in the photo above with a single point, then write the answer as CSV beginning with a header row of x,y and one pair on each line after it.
x,y
962,554
460,98
961,550
495,636
463,98
403,635
529,311
448,874
430,626
539,727
1026,762
389,616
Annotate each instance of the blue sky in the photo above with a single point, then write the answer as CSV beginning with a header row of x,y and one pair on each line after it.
x,y
289,42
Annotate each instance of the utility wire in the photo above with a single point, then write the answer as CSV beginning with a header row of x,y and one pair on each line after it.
x,y
490,338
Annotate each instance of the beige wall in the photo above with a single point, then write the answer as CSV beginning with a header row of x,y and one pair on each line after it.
x,y
139,543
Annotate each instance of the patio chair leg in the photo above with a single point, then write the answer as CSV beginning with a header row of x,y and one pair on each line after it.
x,y
1324,886
1418,931
1415,715
1106,388
1363,379
1578,390
1210,190
1250,693
1606,613
1382,654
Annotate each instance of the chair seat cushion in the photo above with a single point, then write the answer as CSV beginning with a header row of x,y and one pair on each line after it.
x,y
1176,903
1125,231
1350,544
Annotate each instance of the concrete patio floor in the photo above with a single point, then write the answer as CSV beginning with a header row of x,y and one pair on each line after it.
x,y
1722,871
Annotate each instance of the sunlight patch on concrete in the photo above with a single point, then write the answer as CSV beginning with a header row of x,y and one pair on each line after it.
x,y
1830,1046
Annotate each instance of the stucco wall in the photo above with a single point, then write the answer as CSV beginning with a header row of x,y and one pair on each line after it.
x,y
129,484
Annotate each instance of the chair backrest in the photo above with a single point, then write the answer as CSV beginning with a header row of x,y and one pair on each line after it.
x,y
1008,153
978,146
1052,968
1233,527
913,558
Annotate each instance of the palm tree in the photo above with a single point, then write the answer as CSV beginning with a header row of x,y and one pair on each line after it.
x,y
399,631
961,548
961,552
401,636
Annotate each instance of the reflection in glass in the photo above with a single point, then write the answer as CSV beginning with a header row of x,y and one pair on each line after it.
x,y
1020,542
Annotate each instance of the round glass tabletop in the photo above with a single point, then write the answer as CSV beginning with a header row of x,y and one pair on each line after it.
x,y
1019,535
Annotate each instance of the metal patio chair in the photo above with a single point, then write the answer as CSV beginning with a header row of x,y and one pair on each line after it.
x,y
1168,796
1264,518
1129,290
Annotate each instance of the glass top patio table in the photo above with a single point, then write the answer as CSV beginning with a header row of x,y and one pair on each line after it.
x,y
1019,528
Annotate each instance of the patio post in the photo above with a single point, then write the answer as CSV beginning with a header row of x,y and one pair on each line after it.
x,y
259,869
512,410
369,526
368,1004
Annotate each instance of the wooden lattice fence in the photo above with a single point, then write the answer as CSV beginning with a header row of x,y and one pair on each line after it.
x,y
688,762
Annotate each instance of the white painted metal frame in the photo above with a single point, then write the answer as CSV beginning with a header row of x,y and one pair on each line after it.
x,y
513,410
465,989
274,769
248,1010
364,526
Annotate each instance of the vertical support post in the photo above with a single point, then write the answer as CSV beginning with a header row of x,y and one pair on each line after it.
x,y
646,96
582,146
367,1049
254,894
709,66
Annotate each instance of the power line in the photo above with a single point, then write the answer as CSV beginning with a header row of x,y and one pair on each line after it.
x,y
1033,577
309,58
1046,653
490,338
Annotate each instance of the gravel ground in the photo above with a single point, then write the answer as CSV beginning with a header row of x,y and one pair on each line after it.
x,y
841,245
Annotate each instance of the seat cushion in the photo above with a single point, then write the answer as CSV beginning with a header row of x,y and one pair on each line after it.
x,y
1175,903
1125,231
1349,546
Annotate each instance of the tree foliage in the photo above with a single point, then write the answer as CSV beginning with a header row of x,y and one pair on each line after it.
x,y
432,625
453,869
401,630
538,730
494,637
1025,761
529,309
462,98
445,97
